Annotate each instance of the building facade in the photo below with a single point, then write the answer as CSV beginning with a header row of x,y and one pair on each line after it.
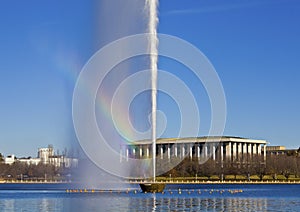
x,y
220,149
45,156
10,159
281,150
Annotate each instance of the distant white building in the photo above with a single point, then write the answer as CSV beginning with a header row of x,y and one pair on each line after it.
x,y
45,156
30,161
62,161
45,153
10,159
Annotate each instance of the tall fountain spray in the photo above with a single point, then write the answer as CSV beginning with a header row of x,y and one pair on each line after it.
x,y
153,47
153,44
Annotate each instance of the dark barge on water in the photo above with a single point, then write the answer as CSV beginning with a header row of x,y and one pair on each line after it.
x,y
152,187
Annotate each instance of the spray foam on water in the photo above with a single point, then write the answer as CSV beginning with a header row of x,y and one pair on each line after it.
x,y
153,44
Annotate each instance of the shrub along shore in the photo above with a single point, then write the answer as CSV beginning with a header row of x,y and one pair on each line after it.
x,y
228,179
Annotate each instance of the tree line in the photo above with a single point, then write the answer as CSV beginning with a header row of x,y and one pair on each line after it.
x,y
286,165
23,171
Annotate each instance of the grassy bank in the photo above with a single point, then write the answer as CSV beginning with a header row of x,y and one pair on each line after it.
x,y
226,179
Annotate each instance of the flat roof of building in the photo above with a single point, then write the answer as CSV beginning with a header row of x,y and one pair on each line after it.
x,y
274,148
205,139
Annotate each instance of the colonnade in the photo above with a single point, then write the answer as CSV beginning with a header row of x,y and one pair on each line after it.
x,y
221,151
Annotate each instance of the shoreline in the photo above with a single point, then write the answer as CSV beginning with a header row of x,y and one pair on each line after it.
x,y
77,187
160,182
221,182
34,182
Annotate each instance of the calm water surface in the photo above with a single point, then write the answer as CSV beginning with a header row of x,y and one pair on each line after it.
x,y
188,198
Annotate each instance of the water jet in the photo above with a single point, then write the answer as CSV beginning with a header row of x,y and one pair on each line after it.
x,y
153,42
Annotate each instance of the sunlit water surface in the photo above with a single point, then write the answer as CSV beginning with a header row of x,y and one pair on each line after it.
x,y
188,198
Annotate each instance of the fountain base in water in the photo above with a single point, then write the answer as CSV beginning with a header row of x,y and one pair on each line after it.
x,y
152,187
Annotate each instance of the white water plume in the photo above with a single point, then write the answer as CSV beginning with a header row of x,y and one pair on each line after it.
x,y
153,44
106,91
115,19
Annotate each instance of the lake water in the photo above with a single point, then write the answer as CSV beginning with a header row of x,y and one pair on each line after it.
x,y
188,198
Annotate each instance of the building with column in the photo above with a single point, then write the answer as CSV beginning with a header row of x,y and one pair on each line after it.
x,y
45,156
223,149
281,150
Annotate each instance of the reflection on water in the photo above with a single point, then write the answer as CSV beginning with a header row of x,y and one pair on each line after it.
x,y
31,205
205,198
154,203
199,204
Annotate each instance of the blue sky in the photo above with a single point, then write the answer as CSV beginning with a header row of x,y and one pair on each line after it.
x,y
253,45
43,46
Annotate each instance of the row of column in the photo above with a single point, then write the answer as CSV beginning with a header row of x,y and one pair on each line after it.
x,y
242,151
168,151
231,150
